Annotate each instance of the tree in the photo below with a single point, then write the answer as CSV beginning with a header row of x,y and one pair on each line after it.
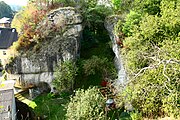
x,y
5,10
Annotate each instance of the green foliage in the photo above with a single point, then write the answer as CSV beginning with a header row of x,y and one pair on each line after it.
x,y
153,60
93,70
86,104
116,4
152,7
94,17
99,65
5,10
94,21
64,76
135,115
118,27
86,4
54,108
132,19
95,45
122,6
51,95
91,3
102,51
94,34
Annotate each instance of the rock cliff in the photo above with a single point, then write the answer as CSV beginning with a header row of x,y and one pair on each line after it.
x,y
39,66
118,60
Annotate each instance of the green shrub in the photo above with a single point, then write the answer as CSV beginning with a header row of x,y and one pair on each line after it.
x,y
152,7
132,19
135,115
86,104
116,4
64,76
122,6
99,65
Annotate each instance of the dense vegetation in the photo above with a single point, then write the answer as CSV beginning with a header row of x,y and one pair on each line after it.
x,y
51,107
86,104
65,75
5,10
152,57
151,50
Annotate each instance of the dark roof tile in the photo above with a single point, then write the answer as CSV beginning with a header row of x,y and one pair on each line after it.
x,y
7,37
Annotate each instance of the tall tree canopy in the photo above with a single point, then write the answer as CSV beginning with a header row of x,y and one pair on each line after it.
x,y
5,10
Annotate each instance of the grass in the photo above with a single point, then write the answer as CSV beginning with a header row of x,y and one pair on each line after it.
x,y
52,108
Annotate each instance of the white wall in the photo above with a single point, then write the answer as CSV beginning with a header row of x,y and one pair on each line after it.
x,y
4,55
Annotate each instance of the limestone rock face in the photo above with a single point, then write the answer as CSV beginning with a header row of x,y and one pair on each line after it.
x,y
62,45
118,61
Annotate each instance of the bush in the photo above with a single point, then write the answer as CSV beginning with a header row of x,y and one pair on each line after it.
x,y
86,104
99,65
64,76
152,7
116,4
122,6
132,19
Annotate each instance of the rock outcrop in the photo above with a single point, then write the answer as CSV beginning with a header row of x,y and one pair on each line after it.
x,y
118,61
39,66
121,82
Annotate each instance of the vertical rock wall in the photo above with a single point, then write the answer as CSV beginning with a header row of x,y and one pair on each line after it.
x,y
118,60
40,66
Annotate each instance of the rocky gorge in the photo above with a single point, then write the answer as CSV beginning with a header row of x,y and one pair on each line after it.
x,y
114,61
37,67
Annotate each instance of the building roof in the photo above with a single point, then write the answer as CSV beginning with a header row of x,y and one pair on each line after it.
x,y
5,20
7,37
